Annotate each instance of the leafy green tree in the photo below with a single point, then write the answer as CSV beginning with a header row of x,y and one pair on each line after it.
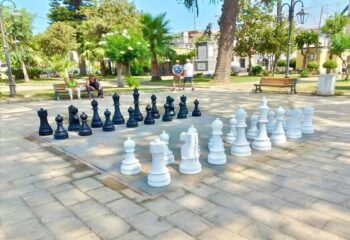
x,y
124,48
340,42
304,40
335,24
156,31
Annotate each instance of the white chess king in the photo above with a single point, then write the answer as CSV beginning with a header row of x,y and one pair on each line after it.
x,y
130,165
262,141
190,152
216,154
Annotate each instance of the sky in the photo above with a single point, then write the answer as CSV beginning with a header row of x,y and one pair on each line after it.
x,y
181,19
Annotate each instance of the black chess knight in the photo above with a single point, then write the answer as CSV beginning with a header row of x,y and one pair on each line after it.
x,y
131,123
44,128
74,122
117,116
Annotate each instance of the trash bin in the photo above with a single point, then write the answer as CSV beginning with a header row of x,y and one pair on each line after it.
x,y
326,84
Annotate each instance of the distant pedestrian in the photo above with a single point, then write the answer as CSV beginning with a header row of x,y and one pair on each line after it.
x,y
188,74
93,85
72,85
177,72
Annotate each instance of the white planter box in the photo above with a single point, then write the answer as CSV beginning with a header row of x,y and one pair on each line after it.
x,y
326,84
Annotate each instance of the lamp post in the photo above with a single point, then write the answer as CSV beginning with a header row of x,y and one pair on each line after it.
x,y
301,19
7,54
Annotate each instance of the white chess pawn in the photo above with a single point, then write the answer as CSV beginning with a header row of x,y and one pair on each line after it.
x,y
216,154
253,130
189,163
130,165
278,135
168,155
241,147
307,123
271,122
294,124
262,141
159,175
231,135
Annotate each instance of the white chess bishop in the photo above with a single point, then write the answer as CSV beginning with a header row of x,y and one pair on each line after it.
x,y
278,135
271,122
168,155
294,124
241,147
189,163
307,123
253,129
231,135
216,154
262,141
159,175
130,165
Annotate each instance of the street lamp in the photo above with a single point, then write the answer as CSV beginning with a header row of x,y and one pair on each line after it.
x,y
7,54
300,18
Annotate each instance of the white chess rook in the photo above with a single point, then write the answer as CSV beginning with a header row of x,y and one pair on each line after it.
x,y
307,123
241,147
262,141
271,122
189,163
253,129
278,136
231,135
159,175
168,155
130,165
294,124
216,154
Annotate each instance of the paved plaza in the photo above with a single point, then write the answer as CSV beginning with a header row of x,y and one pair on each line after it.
x,y
299,191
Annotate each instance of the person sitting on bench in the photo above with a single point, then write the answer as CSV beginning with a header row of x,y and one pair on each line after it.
x,y
93,85
72,84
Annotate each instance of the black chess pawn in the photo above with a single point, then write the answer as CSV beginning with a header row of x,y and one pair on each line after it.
x,y
149,119
74,122
167,116
170,102
182,111
183,99
117,116
196,112
137,113
108,125
96,121
84,130
154,111
60,132
44,127
131,123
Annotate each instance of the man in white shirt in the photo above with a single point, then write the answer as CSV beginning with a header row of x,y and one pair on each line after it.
x,y
188,73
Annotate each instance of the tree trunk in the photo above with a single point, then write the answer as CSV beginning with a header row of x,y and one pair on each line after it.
x,y
25,73
304,60
82,66
120,83
155,69
227,33
250,67
102,67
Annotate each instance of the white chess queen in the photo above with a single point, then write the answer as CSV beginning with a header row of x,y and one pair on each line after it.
x,y
190,152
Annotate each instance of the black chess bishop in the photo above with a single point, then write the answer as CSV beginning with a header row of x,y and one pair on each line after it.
x,y
117,116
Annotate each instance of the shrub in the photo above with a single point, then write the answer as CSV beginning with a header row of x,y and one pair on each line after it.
x,y
292,63
281,63
305,73
265,73
312,67
137,69
132,82
330,65
33,72
256,70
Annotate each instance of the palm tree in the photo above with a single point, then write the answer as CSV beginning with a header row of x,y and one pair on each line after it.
x,y
156,31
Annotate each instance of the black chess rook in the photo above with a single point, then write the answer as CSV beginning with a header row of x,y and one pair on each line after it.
x,y
44,127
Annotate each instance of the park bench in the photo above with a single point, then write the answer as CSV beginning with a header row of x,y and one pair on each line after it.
x,y
60,88
277,82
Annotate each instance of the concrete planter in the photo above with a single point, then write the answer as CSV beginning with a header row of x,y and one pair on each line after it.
x,y
326,84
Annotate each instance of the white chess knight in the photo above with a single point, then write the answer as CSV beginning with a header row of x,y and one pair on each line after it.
x,y
216,154
231,135
130,165
168,155
307,123
294,123
262,141
253,129
241,147
189,163
159,175
278,135
271,122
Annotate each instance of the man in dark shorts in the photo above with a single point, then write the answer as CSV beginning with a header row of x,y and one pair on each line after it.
x,y
93,85
188,74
